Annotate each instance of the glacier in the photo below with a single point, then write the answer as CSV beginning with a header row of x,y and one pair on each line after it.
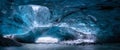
x,y
67,20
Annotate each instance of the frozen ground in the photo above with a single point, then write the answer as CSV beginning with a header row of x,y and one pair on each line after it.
x,y
63,47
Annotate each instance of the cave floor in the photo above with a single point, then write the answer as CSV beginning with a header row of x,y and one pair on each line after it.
x,y
64,47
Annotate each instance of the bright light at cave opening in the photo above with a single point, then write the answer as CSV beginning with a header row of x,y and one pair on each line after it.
x,y
46,40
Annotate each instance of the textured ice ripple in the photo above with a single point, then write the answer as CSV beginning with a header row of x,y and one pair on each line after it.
x,y
35,16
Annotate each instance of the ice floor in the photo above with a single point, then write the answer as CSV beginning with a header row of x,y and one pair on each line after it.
x,y
63,47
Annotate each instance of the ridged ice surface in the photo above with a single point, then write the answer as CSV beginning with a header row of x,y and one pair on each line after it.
x,y
36,16
67,20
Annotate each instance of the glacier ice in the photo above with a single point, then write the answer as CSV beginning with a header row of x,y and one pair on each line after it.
x,y
89,17
37,22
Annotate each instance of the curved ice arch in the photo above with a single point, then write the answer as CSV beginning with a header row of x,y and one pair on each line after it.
x,y
39,16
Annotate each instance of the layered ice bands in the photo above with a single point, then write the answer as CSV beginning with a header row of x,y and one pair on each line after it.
x,y
39,26
69,21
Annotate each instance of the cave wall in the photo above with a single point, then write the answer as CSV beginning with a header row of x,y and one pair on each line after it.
x,y
101,16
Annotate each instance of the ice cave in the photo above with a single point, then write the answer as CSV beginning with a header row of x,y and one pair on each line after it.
x,y
59,24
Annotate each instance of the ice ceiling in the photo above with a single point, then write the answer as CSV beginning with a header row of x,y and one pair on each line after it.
x,y
77,20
